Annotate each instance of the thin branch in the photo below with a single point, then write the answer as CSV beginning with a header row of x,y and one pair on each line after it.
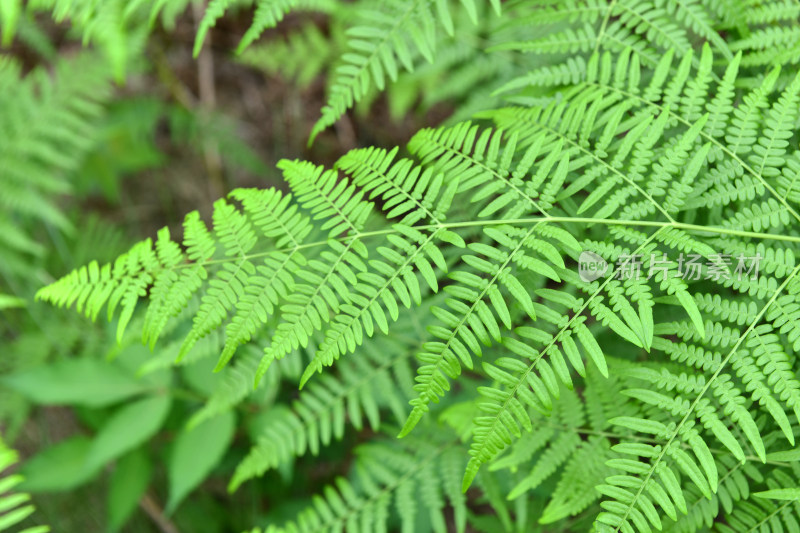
x,y
156,514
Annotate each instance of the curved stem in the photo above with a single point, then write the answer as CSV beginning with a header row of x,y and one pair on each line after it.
x,y
526,220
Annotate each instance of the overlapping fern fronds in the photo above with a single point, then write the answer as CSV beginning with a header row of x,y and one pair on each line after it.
x,y
365,388
268,14
49,124
670,376
383,39
254,263
390,37
118,28
390,482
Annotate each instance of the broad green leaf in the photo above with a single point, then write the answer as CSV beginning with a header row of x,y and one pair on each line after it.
x,y
59,467
129,427
196,452
84,381
128,482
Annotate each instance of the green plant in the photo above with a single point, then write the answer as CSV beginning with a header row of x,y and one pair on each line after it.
x,y
653,136
14,507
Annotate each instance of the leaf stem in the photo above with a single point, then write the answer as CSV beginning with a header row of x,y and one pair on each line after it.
x,y
528,220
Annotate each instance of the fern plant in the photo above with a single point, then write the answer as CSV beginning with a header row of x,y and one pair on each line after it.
x,y
15,506
653,141
50,125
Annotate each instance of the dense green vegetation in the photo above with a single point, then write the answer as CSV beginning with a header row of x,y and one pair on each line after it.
x,y
448,265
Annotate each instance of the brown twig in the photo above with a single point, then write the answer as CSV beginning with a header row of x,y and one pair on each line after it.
x,y
208,99
156,514
177,90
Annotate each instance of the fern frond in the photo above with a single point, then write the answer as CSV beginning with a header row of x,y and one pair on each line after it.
x,y
15,507
387,39
278,57
625,507
643,402
326,406
327,281
317,190
735,480
535,382
268,14
769,151
50,124
382,473
477,162
736,142
118,28
214,11
377,47
234,387
776,508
